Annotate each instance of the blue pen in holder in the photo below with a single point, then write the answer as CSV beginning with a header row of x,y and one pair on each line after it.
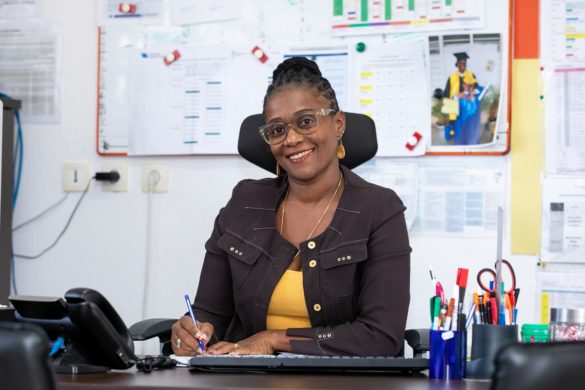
x,y
448,354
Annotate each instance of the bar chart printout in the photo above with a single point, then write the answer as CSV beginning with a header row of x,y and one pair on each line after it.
x,y
356,17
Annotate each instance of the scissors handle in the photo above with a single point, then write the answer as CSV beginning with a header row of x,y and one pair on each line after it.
x,y
512,275
492,277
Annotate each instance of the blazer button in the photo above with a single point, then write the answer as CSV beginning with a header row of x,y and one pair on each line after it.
x,y
317,307
311,245
313,263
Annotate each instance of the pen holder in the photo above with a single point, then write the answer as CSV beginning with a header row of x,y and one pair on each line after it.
x,y
486,341
447,354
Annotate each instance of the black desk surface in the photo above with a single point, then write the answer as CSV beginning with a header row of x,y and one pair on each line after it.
x,y
182,378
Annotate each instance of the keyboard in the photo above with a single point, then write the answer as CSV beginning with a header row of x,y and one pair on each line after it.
x,y
305,363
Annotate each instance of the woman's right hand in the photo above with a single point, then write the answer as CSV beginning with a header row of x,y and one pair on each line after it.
x,y
185,334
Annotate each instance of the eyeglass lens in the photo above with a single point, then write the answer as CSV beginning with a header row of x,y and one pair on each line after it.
x,y
304,124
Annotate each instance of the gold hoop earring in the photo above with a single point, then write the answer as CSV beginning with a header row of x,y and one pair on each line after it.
x,y
340,149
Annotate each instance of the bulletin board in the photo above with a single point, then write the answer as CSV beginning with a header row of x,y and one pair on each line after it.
x,y
389,60
562,76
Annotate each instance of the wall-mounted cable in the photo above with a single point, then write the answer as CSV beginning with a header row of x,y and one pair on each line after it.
x,y
153,178
17,158
42,213
52,245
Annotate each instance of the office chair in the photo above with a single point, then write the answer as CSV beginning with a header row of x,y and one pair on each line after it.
x,y
360,144
540,366
24,358
359,140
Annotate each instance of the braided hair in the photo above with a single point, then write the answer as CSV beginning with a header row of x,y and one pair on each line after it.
x,y
300,71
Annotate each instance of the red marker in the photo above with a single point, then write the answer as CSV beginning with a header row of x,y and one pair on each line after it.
x,y
462,274
494,311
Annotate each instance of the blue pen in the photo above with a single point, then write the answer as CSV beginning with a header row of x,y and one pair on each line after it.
x,y
188,301
56,346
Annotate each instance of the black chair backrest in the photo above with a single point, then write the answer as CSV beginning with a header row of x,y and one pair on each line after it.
x,y
540,366
24,358
359,141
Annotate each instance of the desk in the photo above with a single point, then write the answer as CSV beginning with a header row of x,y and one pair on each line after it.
x,y
182,378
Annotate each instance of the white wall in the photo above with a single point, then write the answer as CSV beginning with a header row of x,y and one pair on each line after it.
x,y
105,245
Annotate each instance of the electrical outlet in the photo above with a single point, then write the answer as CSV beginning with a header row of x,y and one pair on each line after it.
x,y
122,168
76,176
155,178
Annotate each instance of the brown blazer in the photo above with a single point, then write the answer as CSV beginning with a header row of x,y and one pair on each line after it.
x,y
356,289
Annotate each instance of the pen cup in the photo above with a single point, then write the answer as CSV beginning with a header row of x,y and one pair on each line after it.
x,y
448,354
486,341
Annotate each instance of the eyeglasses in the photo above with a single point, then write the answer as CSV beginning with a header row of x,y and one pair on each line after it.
x,y
304,123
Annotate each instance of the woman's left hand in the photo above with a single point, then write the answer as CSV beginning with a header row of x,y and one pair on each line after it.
x,y
258,344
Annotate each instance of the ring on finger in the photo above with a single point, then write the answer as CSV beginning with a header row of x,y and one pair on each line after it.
x,y
178,343
236,346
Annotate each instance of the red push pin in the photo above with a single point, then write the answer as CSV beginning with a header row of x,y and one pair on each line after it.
x,y
259,53
127,8
413,140
170,58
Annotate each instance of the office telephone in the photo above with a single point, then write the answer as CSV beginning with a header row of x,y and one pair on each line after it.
x,y
94,338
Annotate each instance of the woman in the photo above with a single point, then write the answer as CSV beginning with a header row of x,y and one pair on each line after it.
x,y
464,127
315,261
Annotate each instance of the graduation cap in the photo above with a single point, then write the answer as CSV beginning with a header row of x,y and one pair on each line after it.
x,y
461,56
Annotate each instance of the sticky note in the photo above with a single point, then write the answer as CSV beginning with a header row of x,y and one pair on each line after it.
x,y
544,307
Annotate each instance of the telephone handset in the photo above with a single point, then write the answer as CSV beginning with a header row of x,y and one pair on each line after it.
x,y
97,317
96,338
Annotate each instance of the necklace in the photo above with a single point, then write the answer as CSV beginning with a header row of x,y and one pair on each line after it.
x,y
322,214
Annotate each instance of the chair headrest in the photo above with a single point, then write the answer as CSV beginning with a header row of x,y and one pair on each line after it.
x,y
24,358
540,366
359,141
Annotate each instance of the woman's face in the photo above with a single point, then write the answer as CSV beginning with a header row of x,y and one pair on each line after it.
x,y
305,157
461,65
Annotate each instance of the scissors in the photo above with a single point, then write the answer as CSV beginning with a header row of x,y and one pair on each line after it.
x,y
492,277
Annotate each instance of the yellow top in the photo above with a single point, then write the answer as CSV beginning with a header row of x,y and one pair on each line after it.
x,y
287,308
455,80
454,86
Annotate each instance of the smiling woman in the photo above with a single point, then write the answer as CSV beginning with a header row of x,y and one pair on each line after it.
x,y
314,261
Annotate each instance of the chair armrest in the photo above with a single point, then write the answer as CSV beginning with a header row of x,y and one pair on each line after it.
x,y
7,314
152,327
419,341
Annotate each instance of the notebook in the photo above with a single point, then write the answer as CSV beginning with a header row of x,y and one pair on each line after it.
x,y
293,362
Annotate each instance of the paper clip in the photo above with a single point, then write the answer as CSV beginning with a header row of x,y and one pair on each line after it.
x,y
170,58
413,140
127,8
259,54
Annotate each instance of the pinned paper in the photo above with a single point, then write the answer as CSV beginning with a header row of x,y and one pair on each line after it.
x,y
127,8
259,54
360,47
170,58
413,140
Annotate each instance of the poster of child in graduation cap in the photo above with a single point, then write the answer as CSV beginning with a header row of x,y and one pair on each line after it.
x,y
466,75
